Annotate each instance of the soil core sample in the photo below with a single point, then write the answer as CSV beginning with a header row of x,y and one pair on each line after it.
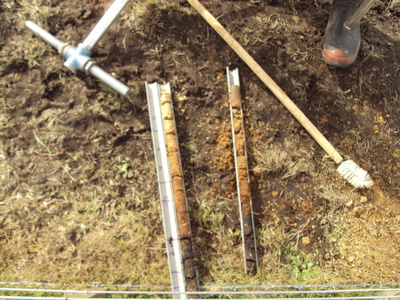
x,y
243,182
185,235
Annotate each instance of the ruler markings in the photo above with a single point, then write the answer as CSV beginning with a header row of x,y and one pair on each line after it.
x,y
165,189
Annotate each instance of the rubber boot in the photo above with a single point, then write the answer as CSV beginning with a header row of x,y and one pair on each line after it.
x,y
341,45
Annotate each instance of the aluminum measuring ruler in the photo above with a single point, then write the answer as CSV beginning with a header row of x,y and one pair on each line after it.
x,y
233,79
171,232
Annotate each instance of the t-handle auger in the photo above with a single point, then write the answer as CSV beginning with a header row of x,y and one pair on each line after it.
x,y
78,58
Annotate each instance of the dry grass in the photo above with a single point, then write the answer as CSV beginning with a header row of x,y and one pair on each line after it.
x,y
288,158
86,234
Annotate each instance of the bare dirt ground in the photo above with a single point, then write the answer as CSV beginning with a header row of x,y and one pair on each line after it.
x,y
78,190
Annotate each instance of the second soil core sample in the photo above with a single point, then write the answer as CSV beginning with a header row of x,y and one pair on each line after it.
x,y
243,182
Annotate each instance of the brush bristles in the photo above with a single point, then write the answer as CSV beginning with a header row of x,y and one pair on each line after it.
x,y
356,176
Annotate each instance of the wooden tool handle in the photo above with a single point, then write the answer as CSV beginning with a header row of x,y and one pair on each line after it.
x,y
269,82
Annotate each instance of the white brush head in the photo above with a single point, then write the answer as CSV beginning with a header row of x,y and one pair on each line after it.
x,y
356,176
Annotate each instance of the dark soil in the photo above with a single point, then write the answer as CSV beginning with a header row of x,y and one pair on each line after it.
x,y
78,182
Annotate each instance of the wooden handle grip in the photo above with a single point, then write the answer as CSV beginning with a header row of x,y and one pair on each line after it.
x,y
269,82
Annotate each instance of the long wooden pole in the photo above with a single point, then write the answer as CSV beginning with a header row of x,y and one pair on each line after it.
x,y
269,82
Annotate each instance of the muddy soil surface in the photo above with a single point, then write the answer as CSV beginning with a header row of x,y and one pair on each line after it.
x,y
79,199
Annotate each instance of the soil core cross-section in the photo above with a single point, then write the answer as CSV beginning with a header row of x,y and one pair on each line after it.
x,y
185,235
247,221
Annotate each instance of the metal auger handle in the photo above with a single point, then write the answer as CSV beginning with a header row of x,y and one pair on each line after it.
x,y
78,59
359,13
106,78
45,36
104,23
